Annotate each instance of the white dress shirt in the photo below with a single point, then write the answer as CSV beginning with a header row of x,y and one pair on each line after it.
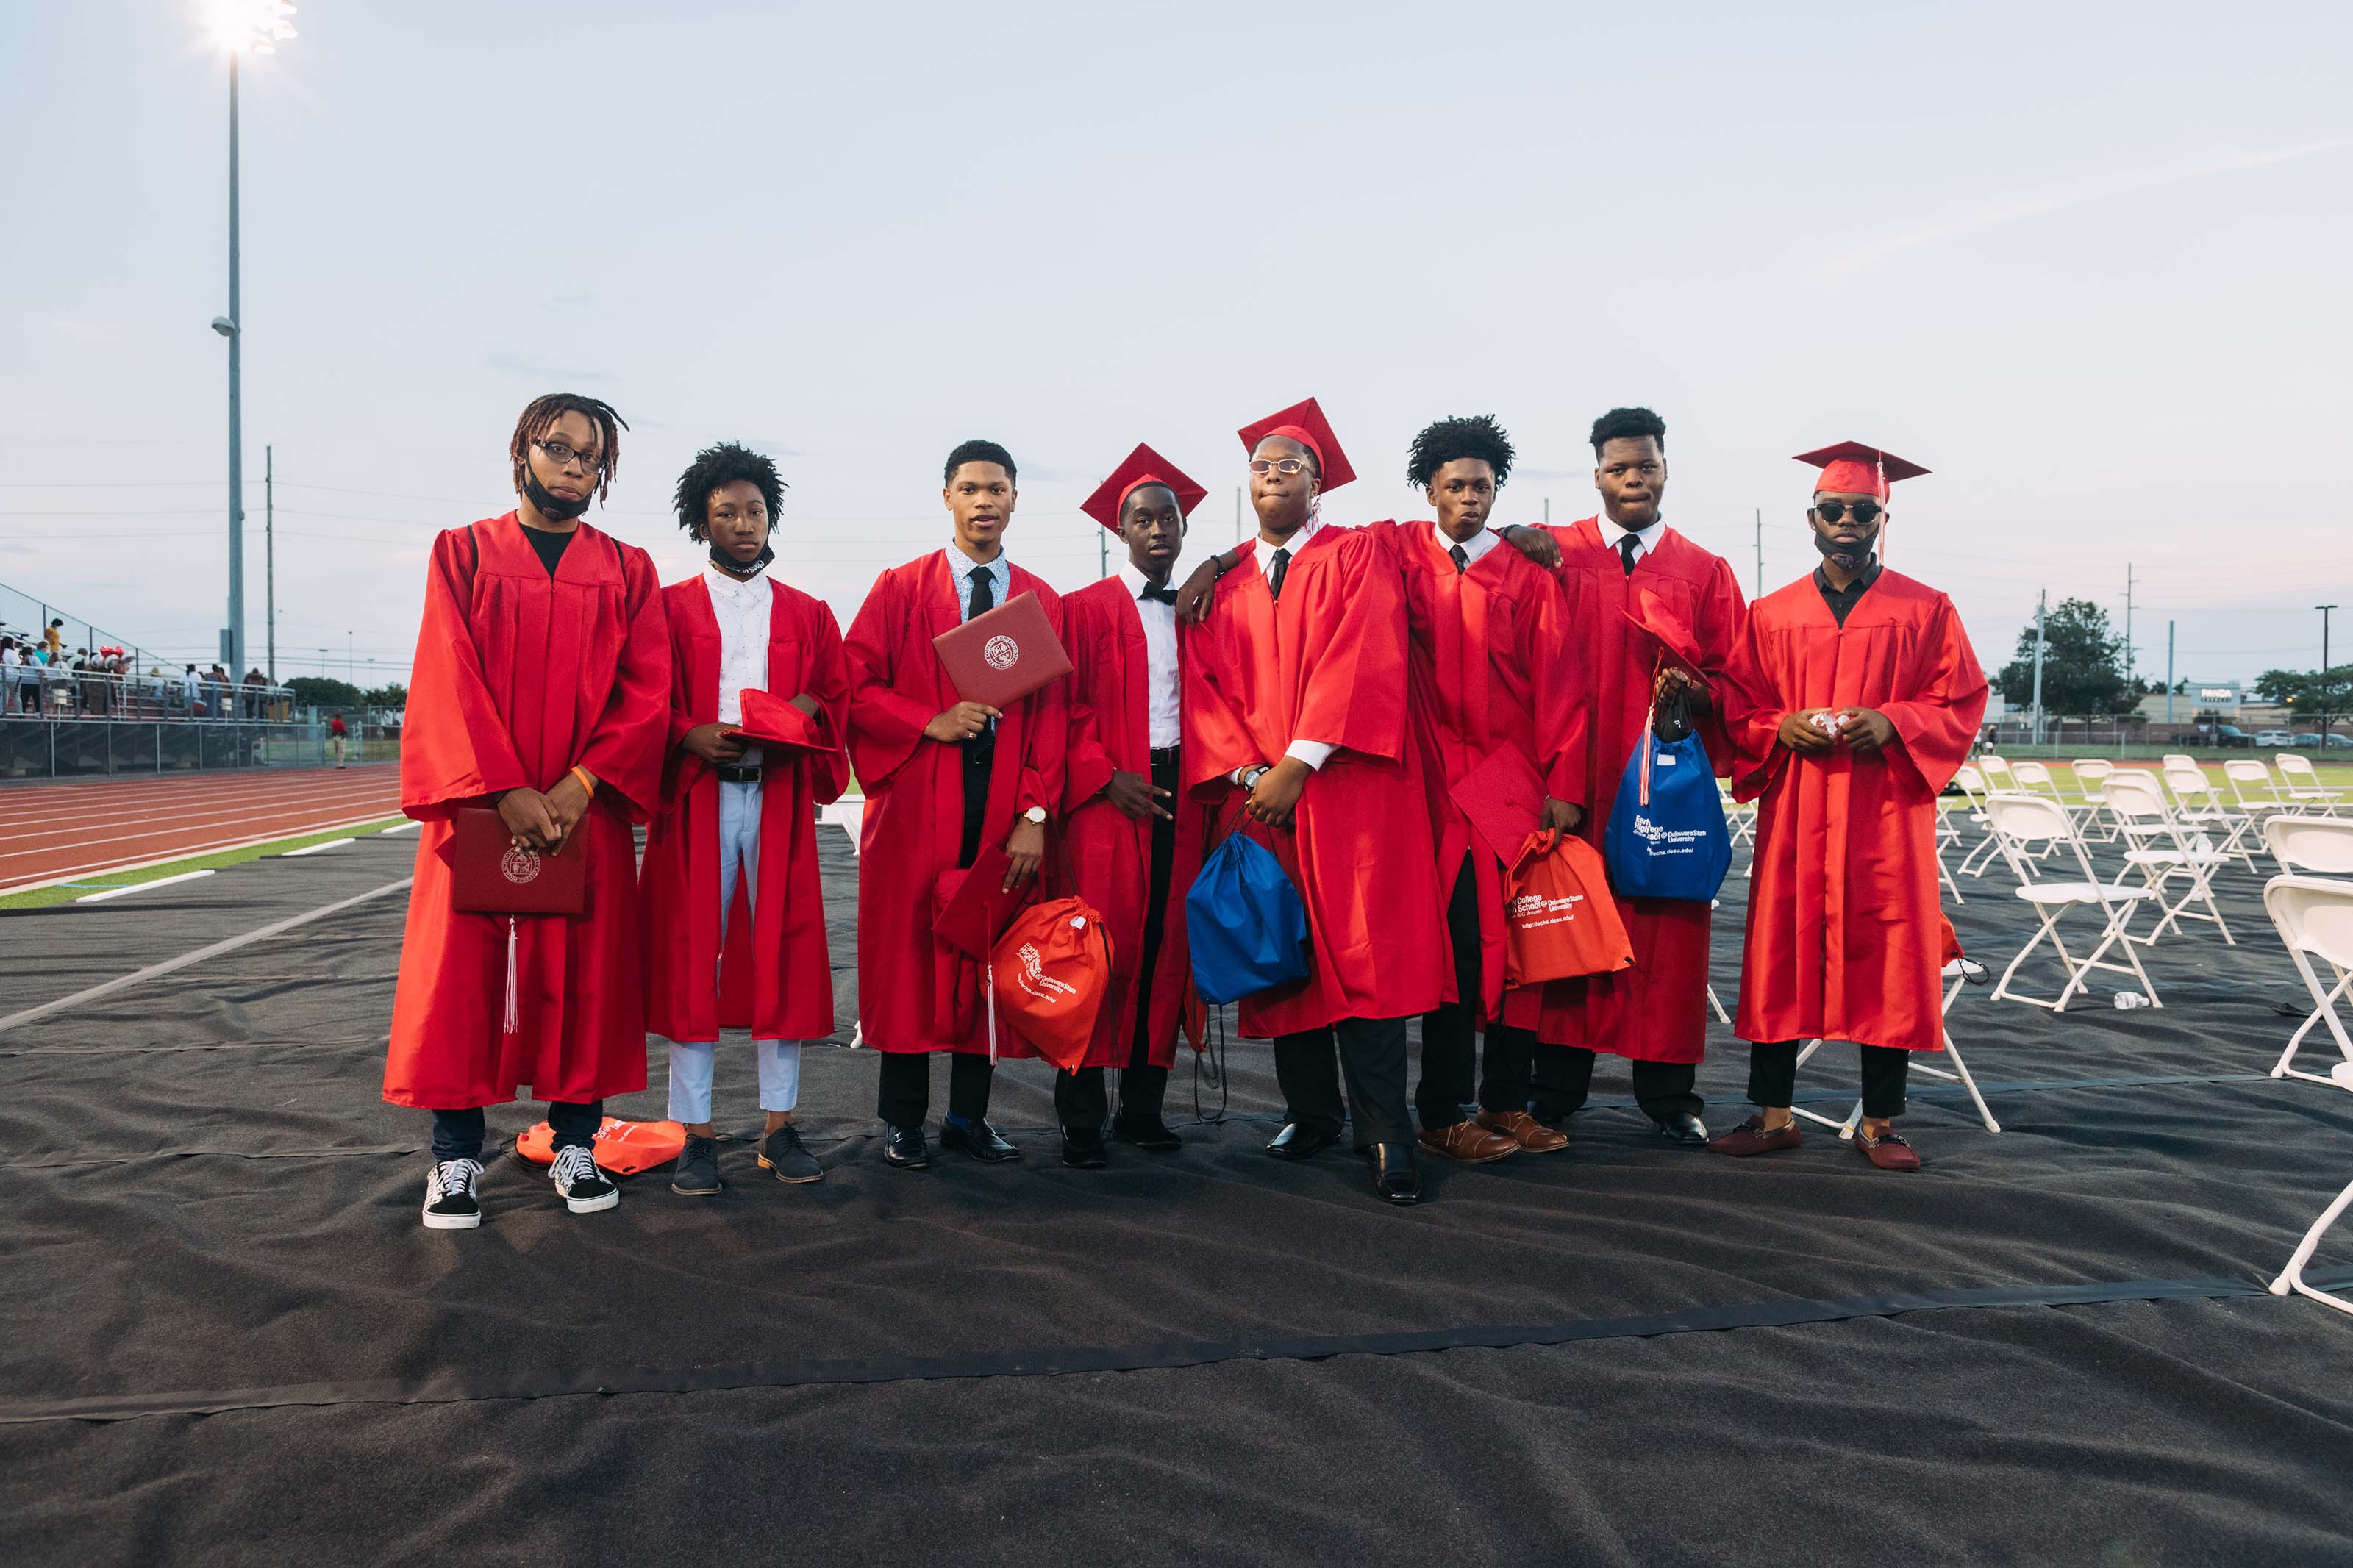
x,y
1315,753
1646,537
1477,546
742,611
1159,658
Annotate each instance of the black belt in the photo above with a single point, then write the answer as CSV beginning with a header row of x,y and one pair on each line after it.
x,y
1164,754
748,773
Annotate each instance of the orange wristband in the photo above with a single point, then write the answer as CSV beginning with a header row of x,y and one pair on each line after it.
x,y
587,782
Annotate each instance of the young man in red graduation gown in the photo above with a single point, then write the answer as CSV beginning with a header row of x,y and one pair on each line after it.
x,y
542,688
941,777
734,910
1485,622
1854,695
1295,691
1134,838
1654,1013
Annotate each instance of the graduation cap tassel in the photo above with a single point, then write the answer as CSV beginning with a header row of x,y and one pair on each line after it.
x,y
514,1014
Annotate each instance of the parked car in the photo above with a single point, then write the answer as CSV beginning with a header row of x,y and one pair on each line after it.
x,y
2305,738
2230,736
2273,738
2336,739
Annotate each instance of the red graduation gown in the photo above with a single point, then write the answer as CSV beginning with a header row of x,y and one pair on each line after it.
x,y
1656,1011
1486,675
1109,852
775,978
1844,942
1327,662
915,993
517,678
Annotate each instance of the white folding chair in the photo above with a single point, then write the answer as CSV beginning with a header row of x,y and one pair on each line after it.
x,y
2304,786
1997,773
2024,825
2314,917
1961,971
2176,760
2091,779
2198,806
2322,845
1739,817
1721,1016
2245,777
2292,1277
849,814
2162,850
1973,790
2031,777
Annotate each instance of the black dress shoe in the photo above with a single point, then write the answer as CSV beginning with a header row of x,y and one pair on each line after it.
x,y
1297,1143
1083,1149
1149,1134
1684,1127
904,1147
1395,1178
979,1140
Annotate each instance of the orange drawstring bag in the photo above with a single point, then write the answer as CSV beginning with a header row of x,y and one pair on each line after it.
x,y
1050,973
1559,920
623,1148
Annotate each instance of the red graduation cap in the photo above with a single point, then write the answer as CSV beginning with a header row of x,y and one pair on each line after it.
x,y
1140,468
771,721
1649,612
1305,423
1852,468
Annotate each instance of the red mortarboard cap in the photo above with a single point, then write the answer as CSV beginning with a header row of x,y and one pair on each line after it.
x,y
1853,469
1140,468
771,720
1305,423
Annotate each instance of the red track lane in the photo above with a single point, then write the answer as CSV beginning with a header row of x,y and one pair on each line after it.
x,y
50,831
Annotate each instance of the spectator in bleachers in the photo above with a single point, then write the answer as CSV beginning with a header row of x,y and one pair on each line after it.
x,y
53,642
192,692
257,685
12,676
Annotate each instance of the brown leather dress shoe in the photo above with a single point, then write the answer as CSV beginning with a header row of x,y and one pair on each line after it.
x,y
1750,1138
1468,1142
1888,1151
1531,1135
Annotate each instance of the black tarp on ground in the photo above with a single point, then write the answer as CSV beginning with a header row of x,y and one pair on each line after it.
x,y
203,1208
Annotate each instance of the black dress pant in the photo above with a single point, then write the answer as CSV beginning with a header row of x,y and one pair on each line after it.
x,y
1564,1078
1079,1099
902,1092
457,1135
1773,1076
1449,1034
1373,1056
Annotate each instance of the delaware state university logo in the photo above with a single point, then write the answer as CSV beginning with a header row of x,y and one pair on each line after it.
x,y
1001,652
519,865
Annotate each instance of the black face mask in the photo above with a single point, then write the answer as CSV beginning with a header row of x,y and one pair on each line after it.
x,y
1850,557
752,568
553,507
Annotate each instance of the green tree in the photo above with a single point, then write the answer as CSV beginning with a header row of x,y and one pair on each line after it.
x,y
324,691
393,696
2309,692
2083,663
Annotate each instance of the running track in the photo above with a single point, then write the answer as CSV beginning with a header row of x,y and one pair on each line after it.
x,y
49,831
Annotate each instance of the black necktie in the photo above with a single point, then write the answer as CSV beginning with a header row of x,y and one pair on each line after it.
x,y
1626,548
1461,559
1161,596
977,751
984,592
1274,578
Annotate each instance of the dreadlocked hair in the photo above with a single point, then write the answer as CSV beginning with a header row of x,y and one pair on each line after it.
x,y
723,465
540,417
1471,436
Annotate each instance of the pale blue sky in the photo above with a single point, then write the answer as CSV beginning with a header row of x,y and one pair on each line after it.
x,y
2088,263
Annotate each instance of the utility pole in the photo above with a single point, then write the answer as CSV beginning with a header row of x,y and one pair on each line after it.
x,y
1547,511
1102,555
2168,672
2129,685
2326,688
236,335
1237,514
269,554
1760,551
2041,604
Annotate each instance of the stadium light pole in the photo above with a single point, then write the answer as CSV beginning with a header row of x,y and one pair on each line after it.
x,y
2324,687
240,28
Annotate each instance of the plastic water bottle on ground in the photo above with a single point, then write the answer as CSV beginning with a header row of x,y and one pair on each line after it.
x,y
2129,1000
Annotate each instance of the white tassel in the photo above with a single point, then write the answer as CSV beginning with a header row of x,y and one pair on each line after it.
x,y
514,1015
988,972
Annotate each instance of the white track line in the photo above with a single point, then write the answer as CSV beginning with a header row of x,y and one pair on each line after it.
x,y
191,853
338,808
315,848
140,887
173,965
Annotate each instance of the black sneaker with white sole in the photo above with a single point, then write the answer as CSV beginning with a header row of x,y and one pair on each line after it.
x,y
585,1189
450,1200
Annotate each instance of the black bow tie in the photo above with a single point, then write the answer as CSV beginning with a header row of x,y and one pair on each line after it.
x,y
1161,596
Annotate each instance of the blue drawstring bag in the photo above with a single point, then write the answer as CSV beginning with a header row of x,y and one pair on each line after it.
x,y
1666,837
1247,926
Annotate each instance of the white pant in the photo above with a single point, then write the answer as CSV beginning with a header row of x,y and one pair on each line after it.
x,y
691,1063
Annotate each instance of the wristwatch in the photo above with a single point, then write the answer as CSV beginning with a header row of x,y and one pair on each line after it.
x,y
1035,814
1251,776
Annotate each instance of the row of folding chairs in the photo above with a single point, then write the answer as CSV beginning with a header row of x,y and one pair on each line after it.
x,y
2311,907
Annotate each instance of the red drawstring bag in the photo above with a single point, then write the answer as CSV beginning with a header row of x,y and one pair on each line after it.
x,y
1049,974
623,1148
1559,920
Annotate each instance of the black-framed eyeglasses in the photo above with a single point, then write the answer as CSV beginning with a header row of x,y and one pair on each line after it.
x,y
1833,511
562,454
1283,466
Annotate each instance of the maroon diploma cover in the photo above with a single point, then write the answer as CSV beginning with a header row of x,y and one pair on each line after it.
x,y
489,875
1003,656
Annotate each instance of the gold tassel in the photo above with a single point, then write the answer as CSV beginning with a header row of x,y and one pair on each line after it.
x,y
514,1015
